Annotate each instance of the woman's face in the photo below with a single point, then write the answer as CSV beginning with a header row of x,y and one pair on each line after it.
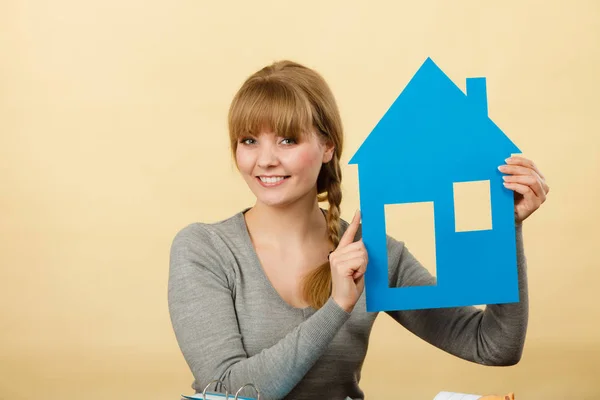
x,y
279,170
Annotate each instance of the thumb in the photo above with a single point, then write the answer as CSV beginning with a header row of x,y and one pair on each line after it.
x,y
348,236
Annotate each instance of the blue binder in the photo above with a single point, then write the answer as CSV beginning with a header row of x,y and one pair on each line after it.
x,y
220,396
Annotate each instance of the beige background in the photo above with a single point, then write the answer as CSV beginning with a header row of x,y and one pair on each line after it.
x,y
113,137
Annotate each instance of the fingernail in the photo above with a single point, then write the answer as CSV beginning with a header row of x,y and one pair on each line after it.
x,y
505,177
501,167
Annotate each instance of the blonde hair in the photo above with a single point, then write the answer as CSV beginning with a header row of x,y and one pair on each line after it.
x,y
292,100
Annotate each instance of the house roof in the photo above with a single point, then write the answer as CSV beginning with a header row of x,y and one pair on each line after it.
x,y
434,123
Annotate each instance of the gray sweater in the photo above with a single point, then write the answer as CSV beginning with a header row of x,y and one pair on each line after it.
x,y
231,324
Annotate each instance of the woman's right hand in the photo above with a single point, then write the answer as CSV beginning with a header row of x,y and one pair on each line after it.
x,y
348,265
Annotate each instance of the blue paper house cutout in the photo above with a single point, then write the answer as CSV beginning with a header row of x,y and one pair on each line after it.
x,y
432,136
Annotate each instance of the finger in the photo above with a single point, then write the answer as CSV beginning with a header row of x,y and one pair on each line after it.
x,y
339,257
348,236
357,275
517,170
528,180
354,263
349,267
521,189
358,245
361,270
520,160
357,256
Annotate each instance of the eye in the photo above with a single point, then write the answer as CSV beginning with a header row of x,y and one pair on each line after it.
x,y
247,141
291,141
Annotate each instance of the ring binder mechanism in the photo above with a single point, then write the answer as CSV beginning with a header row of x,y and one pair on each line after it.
x,y
219,396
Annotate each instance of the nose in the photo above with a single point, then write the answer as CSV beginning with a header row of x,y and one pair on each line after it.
x,y
267,156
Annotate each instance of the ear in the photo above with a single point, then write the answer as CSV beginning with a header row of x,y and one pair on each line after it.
x,y
328,154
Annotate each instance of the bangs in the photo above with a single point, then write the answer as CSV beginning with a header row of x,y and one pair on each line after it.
x,y
279,106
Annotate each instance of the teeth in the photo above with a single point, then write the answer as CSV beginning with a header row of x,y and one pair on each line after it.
x,y
271,179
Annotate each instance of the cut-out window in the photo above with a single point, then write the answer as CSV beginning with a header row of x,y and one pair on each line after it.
x,y
413,224
472,206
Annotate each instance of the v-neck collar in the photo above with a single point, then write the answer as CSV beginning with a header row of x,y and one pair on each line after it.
x,y
256,260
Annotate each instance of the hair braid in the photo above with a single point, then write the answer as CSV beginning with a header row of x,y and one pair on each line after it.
x,y
317,284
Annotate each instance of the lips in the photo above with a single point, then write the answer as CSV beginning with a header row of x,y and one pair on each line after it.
x,y
271,181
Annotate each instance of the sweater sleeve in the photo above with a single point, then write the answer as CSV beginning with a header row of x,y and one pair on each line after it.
x,y
201,307
494,336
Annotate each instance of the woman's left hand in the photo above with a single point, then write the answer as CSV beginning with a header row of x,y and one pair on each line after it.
x,y
528,183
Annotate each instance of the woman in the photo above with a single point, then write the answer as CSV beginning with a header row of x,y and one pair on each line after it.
x,y
274,294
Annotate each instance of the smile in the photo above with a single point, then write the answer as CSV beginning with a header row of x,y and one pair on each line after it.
x,y
271,181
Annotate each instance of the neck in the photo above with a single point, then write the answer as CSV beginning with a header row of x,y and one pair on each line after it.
x,y
297,223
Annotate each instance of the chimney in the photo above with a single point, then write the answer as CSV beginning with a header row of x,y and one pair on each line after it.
x,y
477,93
